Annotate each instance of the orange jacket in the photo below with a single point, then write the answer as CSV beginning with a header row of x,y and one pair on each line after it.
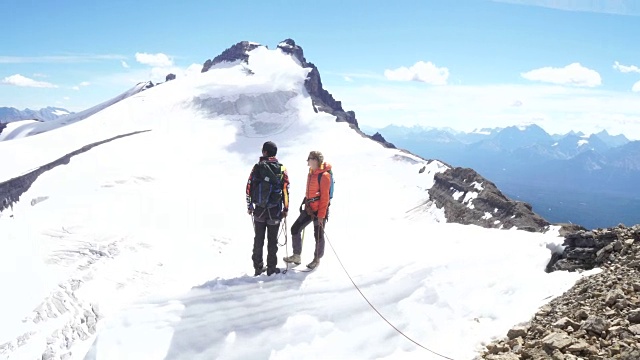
x,y
319,191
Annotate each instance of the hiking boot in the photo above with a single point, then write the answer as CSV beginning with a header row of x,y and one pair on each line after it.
x,y
295,258
259,269
273,270
314,264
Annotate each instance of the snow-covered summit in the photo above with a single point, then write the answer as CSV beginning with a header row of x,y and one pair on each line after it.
x,y
127,236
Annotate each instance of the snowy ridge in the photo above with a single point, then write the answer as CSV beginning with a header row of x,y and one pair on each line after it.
x,y
19,129
148,237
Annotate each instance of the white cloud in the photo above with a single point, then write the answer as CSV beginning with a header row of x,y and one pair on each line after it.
x,y
19,80
347,78
572,74
356,75
156,60
625,68
84,83
636,87
426,72
124,64
159,74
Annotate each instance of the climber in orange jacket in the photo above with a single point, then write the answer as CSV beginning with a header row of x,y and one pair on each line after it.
x,y
316,208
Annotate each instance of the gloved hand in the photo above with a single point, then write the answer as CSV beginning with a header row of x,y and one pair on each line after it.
x,y
285,213
250,211
321,221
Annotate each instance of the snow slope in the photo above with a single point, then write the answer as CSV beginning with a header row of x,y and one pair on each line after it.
x,y
140,248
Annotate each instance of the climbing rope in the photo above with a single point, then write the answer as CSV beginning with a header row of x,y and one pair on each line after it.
x,y
286,240
372,306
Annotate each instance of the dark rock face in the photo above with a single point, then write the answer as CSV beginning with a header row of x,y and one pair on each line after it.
x,y
170,77
379,138
2,126
585,250
11,190
599,317
322,99
236,52
468,198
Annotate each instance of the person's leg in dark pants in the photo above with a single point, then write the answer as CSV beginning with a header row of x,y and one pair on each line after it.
x,y
258,244
318,232
272,244
260,229
296,231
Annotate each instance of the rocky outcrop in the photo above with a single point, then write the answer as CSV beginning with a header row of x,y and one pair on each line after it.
x,y
236,52
322,99
170,77
11,190
379,138
468,198
585,250
598,318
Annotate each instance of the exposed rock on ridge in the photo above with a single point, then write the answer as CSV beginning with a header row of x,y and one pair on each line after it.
x,y
468,198
236,52
585,250
11,190
321,98
379,138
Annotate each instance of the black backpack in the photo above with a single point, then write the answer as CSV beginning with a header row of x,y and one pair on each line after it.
x,y
267,183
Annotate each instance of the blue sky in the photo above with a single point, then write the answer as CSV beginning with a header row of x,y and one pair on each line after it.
x,y
464,63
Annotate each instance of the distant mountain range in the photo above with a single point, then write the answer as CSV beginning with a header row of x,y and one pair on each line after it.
x,y
589,180
30,128
9,114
